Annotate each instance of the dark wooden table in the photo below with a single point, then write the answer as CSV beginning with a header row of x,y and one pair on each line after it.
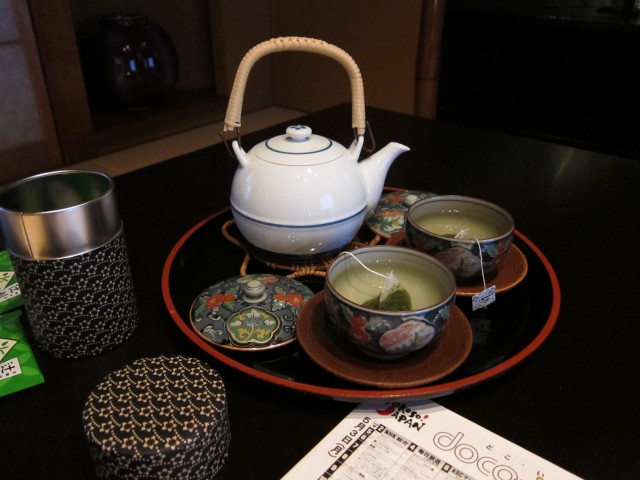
x,y
574,401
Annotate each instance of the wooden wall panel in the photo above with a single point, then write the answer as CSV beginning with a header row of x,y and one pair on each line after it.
x,y
381,36
28,141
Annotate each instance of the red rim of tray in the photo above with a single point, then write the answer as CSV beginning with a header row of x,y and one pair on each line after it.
x,y
358,395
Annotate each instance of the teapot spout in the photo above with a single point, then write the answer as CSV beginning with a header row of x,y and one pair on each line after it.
x,y
374,171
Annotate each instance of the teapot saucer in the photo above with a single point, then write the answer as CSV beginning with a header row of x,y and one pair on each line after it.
x,y
348,363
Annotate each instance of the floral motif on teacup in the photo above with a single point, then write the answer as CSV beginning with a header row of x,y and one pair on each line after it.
x,y
464,258
387,335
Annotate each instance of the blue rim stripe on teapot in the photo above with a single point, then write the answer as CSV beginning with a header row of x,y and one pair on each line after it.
x,y
335,222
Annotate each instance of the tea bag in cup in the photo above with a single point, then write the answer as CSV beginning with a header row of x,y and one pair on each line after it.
x,y
393,296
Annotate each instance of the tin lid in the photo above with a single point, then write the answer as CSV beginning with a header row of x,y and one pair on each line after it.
x,y
250,312
158,417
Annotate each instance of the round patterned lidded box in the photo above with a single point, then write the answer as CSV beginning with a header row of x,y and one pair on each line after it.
x,y
161,417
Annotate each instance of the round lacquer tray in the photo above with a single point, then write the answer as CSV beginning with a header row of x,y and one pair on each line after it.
x,y
504,334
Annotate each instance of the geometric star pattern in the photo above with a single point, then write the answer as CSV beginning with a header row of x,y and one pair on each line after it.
x,y
160,417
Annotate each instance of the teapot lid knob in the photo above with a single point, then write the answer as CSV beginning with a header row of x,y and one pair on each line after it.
x,y
299,133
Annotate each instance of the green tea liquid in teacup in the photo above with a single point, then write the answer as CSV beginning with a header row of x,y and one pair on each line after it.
x,y
463,225
359,285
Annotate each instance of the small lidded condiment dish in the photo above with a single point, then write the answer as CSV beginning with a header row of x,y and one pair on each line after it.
x,y
388,301
469,235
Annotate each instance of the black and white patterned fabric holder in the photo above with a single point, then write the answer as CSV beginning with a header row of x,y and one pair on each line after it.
x,y
81,305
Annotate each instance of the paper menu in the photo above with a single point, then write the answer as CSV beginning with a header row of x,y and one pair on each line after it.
x,y
407,441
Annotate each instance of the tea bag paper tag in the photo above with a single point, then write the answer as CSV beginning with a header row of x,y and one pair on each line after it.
x,y
483,299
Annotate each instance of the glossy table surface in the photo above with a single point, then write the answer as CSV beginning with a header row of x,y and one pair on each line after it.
x,y
574,401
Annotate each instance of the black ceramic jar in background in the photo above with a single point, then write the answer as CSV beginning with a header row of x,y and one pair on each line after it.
x,y
129,62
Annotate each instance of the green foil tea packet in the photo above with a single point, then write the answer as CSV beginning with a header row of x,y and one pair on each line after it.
x,y
393,296
10,297
18,366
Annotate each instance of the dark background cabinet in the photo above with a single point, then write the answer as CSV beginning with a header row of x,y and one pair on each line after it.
x,y
59,26
561,70
568,72
211,37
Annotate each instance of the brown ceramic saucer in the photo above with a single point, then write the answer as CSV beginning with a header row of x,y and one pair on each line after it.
x,y
348,363
512,272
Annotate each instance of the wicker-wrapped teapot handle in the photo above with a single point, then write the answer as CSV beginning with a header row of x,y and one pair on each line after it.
x,y
300,44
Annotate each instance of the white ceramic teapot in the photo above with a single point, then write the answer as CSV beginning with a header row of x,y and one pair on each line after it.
x,y
302,194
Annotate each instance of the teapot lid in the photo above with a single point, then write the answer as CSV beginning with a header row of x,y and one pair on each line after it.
x,y
299,146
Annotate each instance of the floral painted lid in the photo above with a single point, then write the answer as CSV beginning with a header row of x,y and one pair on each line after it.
x,y
250,312
389,215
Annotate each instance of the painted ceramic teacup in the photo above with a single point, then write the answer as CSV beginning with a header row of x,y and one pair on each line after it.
x,y
469,235
389,301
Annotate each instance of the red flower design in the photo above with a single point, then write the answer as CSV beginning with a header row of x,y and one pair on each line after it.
x,y
269,280
397,198
294,299
357,331
217,299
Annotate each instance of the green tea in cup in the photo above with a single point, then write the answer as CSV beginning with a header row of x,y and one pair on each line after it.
x,y
469,235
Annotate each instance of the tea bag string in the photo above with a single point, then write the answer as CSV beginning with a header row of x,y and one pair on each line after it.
x,y
462,234
364,266
484,283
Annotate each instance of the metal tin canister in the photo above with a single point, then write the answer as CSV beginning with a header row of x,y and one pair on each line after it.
x,y
58,214
65,238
